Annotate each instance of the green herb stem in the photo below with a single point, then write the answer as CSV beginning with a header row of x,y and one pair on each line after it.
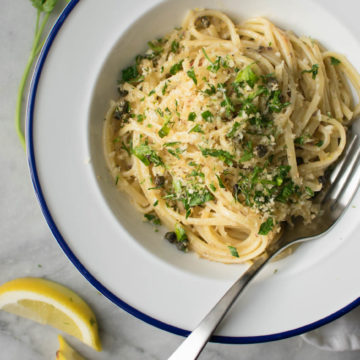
x,y
34,52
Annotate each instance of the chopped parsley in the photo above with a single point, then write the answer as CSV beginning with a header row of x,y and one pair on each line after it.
x,y
207,116
140,118
190,196
130,73
274,103
147,155
299,140
165,129
314,71
259,187
320,143
229,107
223,155
164,88
335,61
173,143
174,46
191,75
176,67
152,218
248,152
212,187
233,251
247,76
233,130
211,90
173,153
266,226
192,116
309,191
128,150
157,49
214,65
197,128
180,233
221,184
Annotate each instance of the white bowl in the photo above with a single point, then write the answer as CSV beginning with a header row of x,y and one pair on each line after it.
x,y
102,233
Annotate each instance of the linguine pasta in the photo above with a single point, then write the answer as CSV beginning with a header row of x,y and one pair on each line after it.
x,y
224,131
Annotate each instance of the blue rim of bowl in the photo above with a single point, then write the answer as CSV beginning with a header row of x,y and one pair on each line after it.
x,y
72,257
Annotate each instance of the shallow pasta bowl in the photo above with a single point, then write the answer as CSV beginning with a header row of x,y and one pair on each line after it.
x,y
104,236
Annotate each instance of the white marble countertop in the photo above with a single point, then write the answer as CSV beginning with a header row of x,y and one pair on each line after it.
x,y
29,249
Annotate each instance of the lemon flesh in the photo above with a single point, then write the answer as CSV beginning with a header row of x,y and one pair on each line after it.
x,y
66,352
50,303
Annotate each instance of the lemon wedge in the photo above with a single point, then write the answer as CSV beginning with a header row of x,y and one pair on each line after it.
x,y
66,352
50,303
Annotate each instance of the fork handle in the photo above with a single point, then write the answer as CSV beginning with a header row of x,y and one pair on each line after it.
x,y
192,346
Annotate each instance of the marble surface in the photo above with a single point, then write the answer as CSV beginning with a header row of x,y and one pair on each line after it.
x,y
29,249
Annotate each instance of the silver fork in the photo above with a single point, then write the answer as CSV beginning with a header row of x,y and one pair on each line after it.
x,y
334,199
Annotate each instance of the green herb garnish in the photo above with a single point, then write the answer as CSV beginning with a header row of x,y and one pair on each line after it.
x,y
165,129
314,71
152,218
266,226
223,155
335,61
248,152
173,143
215,65
299,140
123,146
173,153
212,187
130,73
140,118
191,75
164,88
147,155
233,251
176,67
174,46
192,116
233,130
197,128
309,191
157,49
221,184
211,90
207,116
246,75
274,103
180,233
